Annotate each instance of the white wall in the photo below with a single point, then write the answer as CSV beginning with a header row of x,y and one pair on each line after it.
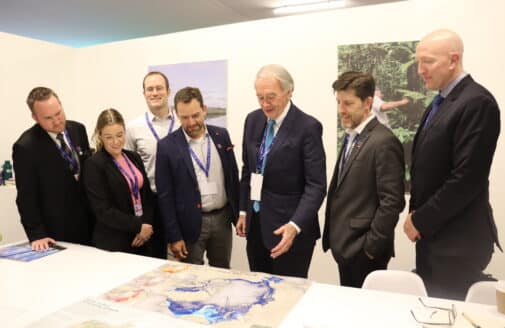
x,y
110,76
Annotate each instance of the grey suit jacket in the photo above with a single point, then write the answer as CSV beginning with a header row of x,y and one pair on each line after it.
x,y
363,206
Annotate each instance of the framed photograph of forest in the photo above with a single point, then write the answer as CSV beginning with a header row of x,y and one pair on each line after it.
x,y
394,69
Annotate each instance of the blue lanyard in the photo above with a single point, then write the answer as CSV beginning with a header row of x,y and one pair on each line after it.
x,y
133,181
205,168
151,127
66,156
263,152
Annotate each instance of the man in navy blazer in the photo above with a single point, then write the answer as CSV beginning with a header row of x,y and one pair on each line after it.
x,y
283,182
450,217
51,199
197,182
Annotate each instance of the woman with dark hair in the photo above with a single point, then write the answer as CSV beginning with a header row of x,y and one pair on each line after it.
x,y
118,190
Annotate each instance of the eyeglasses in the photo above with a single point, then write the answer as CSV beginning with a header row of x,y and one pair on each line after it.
x,y
438,316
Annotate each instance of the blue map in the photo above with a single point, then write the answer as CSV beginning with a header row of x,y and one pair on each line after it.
x,y
234,299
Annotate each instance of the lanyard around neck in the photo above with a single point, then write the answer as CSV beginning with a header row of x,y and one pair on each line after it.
x,y
153,131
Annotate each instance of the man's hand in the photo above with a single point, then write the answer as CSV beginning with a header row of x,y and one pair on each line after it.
x,y
240,227
179,250
42,244
409,229
288,233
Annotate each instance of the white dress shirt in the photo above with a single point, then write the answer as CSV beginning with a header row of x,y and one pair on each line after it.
x,y
140,139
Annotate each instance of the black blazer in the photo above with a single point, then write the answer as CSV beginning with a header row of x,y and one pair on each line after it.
x,y
363,207
110,199
50,201
294,180
179,197
451,159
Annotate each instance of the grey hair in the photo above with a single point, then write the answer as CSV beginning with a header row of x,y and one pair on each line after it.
x,y
279,73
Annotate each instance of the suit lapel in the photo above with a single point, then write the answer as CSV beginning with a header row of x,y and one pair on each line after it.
x,y
183,146
49,147
442,112
284,131
359,144
220,143
257,132
336,170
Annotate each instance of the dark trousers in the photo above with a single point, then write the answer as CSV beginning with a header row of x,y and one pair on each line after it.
x,y
295,262
354,271
158,243
451,276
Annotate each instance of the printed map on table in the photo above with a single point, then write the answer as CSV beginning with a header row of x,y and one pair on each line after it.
x,y
217,297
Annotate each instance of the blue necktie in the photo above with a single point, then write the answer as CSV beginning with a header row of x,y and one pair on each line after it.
x,y
268,142
434,107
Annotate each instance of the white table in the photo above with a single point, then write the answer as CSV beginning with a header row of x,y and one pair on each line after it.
x,y
30,291
10,224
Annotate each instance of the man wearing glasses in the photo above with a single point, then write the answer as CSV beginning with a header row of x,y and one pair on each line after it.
x,y
283,179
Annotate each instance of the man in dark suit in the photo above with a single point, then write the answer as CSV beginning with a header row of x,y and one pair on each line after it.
x,y
48,159
197,182
283,179
450,217
365,197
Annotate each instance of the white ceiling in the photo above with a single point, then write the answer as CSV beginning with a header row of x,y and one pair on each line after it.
x,y
80,23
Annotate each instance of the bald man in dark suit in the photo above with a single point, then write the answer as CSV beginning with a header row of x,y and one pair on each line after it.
x,y
450,217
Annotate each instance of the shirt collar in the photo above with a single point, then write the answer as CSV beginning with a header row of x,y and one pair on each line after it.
x,y
280,119
361,126
445,92
199,140
53,136
154,118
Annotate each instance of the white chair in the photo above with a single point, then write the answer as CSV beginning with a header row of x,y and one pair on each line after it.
x,y
483,292
404,282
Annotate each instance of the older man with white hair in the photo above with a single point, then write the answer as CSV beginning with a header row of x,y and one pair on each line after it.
x,y
283,179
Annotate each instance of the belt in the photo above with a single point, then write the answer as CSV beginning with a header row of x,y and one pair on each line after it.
x,y
218,210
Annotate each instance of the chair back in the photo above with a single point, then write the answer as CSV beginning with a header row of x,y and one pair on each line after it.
x,y
483,292
404,282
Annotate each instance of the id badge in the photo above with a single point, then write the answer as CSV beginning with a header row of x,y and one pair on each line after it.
x,y
256,185
138,209
208,188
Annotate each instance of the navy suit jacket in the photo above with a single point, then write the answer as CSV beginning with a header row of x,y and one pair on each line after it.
x,y
294,179
179,196
451,160
50,201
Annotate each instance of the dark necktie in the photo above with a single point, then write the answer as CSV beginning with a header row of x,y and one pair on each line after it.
x,y
67,150
434,107
269,138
